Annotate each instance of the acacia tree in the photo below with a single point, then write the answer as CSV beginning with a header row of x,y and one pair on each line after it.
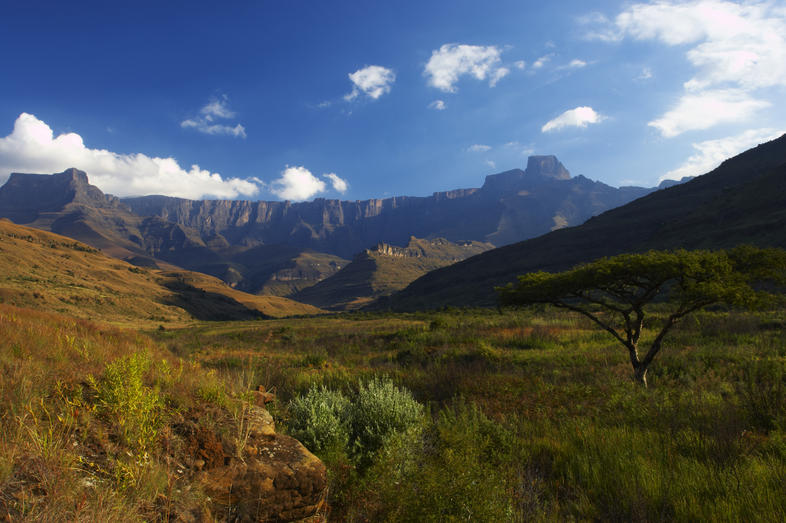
x,y
616,293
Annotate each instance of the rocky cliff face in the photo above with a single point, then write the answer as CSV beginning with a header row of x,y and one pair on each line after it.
x,y
509,207
284,247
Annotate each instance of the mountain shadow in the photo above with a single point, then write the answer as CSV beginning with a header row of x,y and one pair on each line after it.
x,y
206,305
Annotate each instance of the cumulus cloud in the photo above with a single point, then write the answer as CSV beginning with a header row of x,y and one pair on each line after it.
x,y
703,110
32,147
372,80
297,183
478,148
339,184
521,64
709,154
437,105
733,46
205,122
577,64
491,163
578,117
452,61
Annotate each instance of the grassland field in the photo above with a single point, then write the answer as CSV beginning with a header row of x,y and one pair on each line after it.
x,y
529,415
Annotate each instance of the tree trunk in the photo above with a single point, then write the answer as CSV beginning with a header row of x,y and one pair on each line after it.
x,y
640,375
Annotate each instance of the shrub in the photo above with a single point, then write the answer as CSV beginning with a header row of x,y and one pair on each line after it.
x,y
320,420
763,392
381,409
123,396
459,469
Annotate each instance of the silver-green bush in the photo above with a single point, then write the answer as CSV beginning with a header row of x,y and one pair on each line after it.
x,y
380,410
320,419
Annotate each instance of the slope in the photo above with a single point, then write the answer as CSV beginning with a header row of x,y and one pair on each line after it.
x,y
385,269
742,201
50,272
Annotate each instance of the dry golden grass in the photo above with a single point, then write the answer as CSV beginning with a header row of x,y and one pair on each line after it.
x,y
50,272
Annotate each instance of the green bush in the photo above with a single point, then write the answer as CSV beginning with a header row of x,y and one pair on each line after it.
x,y
133,406
320,420
325,421
380,409
459,469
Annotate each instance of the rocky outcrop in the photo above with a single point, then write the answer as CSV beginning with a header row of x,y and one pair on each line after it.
x,y
386,268
268,477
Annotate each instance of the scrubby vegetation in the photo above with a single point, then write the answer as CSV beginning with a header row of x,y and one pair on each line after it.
x,y
94,422
527,415
451,415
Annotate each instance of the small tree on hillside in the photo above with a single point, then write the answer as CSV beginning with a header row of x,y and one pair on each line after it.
x,y
616,293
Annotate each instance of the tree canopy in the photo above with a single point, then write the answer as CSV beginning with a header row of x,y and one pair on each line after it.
x,y
617,292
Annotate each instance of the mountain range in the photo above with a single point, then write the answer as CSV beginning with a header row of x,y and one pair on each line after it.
x,y
741,201
283,248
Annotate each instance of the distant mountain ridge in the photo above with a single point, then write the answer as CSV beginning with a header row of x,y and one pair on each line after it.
x,y
283,247
741,201
509,207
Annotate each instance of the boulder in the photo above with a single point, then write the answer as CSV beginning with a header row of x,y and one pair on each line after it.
x,y
275,478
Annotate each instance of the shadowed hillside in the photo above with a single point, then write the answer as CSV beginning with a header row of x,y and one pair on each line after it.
x,y
742,201
385,269
47,271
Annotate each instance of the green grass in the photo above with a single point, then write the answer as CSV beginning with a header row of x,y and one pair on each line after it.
x,y
527,415
534,415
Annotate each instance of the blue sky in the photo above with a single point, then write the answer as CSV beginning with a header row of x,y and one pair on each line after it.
x,y
355,100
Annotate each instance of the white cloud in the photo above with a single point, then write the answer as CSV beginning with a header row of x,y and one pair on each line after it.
x,y
372,80
491,163
339,184
577,64
498,75
437,105
578,117
216,109
696,111
478,148
32,147
540,62
451,61
297,183
711,153
521,64
738,47
203,126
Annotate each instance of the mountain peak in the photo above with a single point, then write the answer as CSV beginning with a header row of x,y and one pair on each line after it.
x,y
547,166
75,175
26,195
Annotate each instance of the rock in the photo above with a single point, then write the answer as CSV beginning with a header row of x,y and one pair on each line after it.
x,y
261,396
277,479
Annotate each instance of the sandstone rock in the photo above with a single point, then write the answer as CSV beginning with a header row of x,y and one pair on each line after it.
x,y
277,479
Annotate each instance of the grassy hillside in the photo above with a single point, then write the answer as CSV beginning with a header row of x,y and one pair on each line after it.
x,y
89,419
51,272
385,269
742,201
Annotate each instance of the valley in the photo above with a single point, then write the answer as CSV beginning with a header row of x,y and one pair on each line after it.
x,y
144,390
